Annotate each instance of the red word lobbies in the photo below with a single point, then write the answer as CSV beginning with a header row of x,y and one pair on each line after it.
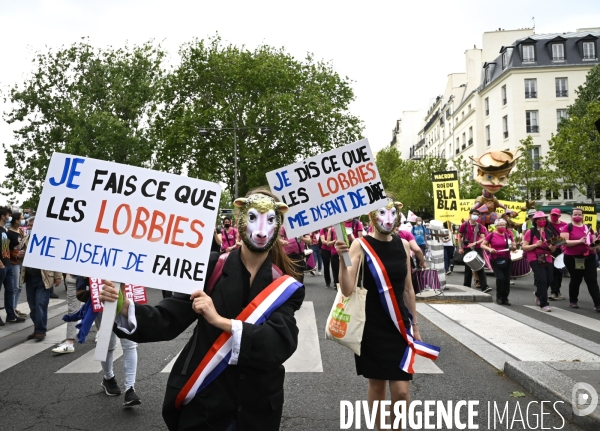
x,y
155,226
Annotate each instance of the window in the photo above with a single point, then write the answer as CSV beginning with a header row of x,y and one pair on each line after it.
x,y
505,126
530,88
504,60
504,95
528,53
488,75
558,52
589,50
534,153
487,106
568,193
457,145
464,145
470,135
488,138
561,87
551,195
462,114
450,149
469,107
536,194
560,115
531,120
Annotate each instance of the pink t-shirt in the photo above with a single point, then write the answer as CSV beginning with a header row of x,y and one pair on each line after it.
x,y
467,230
294,246
323,233
499,242
578,232
333,238
356,226
532,255
229,239
406,235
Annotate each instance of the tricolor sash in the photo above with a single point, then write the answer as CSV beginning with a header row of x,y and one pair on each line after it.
x,y
392,309
217,357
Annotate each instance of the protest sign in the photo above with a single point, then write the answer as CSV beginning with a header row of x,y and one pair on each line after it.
x,y
124,223
135,294
464,206
589,214
516,207
328,189
412,217
446,196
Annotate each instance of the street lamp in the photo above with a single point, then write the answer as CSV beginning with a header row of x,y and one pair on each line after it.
x,y
205,131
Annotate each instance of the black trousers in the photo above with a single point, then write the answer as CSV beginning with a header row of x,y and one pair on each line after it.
x,y
469,273
448,254
589,274
502,279
542,278
335,268
326,256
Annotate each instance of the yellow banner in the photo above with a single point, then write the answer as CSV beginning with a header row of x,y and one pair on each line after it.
x,y
466,205
464,208
446,196
589,214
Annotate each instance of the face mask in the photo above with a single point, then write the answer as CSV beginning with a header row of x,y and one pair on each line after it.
x,y
474,217
541,223
554,218
419,223
501,229
23,222
8,220
227,225
577,219
26,216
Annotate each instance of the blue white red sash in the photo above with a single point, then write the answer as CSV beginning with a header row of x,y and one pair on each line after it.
x,y
392,308
217,357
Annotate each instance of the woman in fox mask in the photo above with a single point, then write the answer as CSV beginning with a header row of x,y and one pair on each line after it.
x,y
241,386
391,335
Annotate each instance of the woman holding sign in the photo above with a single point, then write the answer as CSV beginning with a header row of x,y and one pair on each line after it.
x,y
391,334
230,374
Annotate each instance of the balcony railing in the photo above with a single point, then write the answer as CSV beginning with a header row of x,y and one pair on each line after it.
x,y
464,146
533,129
558,58
504,101
530,94
487,112
505,135
457,151
420,143
562,93
489,142
470,142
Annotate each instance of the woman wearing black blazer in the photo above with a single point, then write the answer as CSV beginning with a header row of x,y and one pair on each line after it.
x,y
248,394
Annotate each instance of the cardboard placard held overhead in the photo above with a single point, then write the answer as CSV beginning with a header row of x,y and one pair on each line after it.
x,y
124,223
329,188
446,196
589,214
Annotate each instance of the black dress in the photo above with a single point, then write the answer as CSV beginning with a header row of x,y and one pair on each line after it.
x,y
382,346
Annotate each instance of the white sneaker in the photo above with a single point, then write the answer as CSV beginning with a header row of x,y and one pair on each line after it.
x,y
64,348
319,273
96,339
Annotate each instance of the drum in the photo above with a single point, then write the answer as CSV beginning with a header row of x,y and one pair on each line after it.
x,y
436,225
517,255
520,267
474,261
559,261
426,283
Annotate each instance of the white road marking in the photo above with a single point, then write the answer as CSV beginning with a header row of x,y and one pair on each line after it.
x,y
568,316
169,366
87,364
11,357
519,340
11,328
425,366
307,357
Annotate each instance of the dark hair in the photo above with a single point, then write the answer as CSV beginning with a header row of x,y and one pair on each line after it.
x,y
4,211
576,209
16,219
278,257
475,210
226,218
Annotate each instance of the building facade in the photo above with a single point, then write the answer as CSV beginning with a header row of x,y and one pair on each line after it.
x,y
518,84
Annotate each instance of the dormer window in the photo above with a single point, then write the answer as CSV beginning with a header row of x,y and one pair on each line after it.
x,y
504,60
506,55
488,75
589,50
558,52
528,53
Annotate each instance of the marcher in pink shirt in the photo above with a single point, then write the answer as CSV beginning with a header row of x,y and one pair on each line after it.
x,y
499,244
230,239
326,246
557,274
539,255
580,259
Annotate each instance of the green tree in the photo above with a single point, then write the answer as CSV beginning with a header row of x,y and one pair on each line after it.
x,y
304,103
85,101
532,174
575,148
586,94
468,188
409,180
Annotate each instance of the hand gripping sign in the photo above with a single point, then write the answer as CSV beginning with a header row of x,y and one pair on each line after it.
x,y
135,294
328,189
122,222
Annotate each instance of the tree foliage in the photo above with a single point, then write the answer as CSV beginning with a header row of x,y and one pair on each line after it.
x,y
304,103
409,180
85,101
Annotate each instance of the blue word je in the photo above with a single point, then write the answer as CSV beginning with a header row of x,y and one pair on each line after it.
x,y
70,173
284,181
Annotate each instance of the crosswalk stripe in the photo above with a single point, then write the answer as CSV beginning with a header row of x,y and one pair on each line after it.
x,y
87,364
12,328
169,366
307,357
568,316
426,366
519,340
17,354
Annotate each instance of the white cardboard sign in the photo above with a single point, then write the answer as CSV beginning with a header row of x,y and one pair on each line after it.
x,y
124,223
329,188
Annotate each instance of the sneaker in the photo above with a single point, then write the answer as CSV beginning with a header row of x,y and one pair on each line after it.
x,y
499,301
111,387
573,305
64,348
327,286
487,289
505,301
312,271
559,296
131,398
21,314
96,338
553,297
449,272
318,272
546,308
537,301
15,320
451,268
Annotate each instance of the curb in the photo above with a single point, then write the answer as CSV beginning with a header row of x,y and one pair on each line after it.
x,y
549,384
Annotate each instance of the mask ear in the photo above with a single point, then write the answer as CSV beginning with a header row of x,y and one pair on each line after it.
x,y
281,207
240,202
398,205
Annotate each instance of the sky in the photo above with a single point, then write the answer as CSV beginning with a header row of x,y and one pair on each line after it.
x,y
396,53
